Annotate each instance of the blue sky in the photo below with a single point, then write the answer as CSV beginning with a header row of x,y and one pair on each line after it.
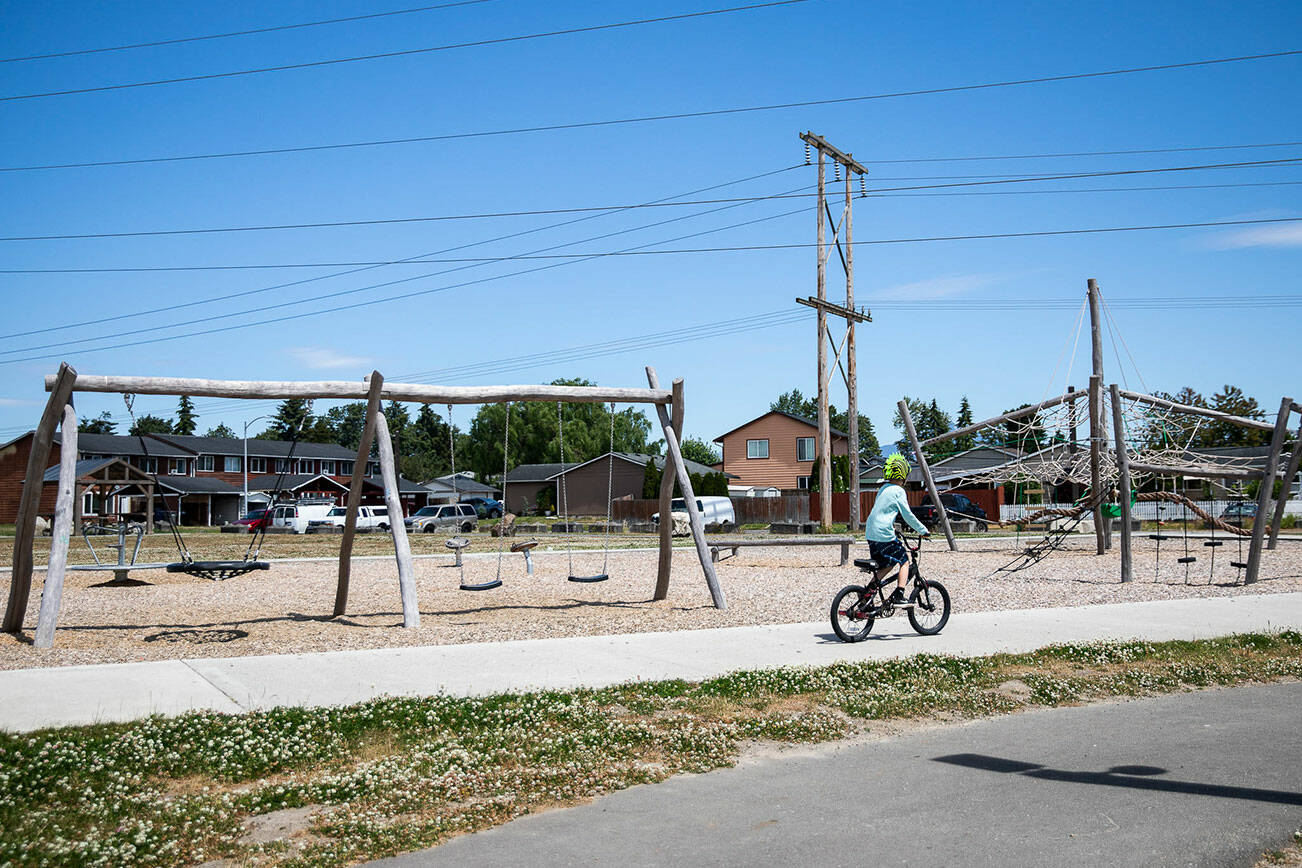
x,y
823,49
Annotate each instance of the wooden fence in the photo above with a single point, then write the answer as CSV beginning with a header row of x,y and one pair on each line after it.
x,y
988,499
749,510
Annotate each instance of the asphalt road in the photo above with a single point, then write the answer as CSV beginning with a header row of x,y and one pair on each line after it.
x,y
1209,778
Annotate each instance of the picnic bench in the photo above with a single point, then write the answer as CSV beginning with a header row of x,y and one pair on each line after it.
x,y
733,544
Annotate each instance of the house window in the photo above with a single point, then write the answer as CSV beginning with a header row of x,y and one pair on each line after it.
x,y
305,465
282,465
257,465
177,467
231,464
327,468
757,449
802,483
204,463
346,468
373,468
804,448
148,465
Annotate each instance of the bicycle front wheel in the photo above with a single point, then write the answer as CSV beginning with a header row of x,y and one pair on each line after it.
x,y
850,617
930,611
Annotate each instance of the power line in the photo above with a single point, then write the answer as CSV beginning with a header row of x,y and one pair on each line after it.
x,y
404,53
584,257
1121,153
655,118
251,32
354,291
545,211
369,267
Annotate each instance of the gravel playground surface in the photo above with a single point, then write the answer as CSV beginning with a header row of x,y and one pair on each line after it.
x,y
284,610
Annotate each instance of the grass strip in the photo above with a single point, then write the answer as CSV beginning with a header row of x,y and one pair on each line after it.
x,y
336,786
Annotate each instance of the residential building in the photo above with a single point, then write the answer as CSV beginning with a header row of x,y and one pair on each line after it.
x,y
202,479
589,486
775,450
525,482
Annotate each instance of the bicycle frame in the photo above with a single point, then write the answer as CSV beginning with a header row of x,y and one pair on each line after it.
x,y
876,588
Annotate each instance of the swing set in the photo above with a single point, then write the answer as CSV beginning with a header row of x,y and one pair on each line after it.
x,y
59,414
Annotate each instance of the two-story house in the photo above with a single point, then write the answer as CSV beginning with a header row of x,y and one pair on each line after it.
x,y
776,450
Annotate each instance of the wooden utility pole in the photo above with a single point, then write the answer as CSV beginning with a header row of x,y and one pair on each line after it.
x,y
1097,435
848,312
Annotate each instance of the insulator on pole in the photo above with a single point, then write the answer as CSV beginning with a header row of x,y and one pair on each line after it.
x,y
806,153
863,186
836,171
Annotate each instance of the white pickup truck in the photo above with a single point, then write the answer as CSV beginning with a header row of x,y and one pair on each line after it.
x,y
376,517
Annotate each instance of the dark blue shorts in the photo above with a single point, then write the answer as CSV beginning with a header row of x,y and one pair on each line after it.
x,y
887,552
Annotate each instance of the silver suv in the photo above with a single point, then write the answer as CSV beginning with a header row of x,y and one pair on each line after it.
x,y
457,517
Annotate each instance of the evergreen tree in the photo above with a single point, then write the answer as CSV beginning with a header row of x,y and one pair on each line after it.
x,y
345,424
651,477
795,403
185,416
1232,400
291,420
967,441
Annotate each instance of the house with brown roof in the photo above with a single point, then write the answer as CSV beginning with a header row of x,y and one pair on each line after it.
x,y
776,450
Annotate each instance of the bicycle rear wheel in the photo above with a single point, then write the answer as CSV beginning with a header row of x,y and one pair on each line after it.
x,y
930,610
850,618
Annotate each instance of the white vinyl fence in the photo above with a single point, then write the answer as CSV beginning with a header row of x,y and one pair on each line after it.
x,y
1148,511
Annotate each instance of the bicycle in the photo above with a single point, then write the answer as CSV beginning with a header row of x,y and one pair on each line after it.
x,y
857,607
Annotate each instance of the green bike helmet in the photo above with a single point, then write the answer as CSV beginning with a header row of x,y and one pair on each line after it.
x,y
897,467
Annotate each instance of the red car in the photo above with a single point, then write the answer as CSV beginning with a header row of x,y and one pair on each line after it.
x,y
255,520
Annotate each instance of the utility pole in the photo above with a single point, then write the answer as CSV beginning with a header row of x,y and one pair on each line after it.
x,y
849,371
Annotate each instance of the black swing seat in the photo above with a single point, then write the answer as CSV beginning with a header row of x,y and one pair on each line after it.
x,y
486,586
1239,565
600,577
1159,536
524,546
1188,560
867,564
217,570
1212,543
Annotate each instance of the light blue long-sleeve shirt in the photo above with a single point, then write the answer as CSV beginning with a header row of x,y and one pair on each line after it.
x,y
891,501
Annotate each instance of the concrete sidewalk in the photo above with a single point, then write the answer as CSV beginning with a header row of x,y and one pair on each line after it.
x,y
35,698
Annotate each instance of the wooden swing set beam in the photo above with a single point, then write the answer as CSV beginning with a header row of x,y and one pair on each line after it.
x,y
1074,395
1198,411
416,393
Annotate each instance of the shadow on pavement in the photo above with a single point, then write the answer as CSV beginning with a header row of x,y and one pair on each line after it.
x,y
1136,777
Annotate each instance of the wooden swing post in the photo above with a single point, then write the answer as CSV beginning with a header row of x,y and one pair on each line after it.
x,y
376,383
689,497
665,560
1123,483
60,533
401,547
60,387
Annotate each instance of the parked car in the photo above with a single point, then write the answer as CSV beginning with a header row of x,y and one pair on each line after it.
x,y
297,516
161,516
716,510
457,517
1236,513
485,507
256,519
958,507
367,517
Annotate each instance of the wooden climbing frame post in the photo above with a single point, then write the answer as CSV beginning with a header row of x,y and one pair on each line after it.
x,y
925,470
1265,494
1289,475
1123,483
664,562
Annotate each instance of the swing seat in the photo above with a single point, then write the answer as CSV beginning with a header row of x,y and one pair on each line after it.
x,y
486,586
457,542
1159,536
524,546
217,570
1238,565
1212,543
1188,560
600,577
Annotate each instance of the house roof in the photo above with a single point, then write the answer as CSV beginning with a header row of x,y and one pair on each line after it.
x,y
405,486
84,467
535,472
117,444
813,423
197,485
291,481
641,460
466,485
257,448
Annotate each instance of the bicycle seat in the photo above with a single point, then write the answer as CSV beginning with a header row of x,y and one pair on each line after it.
x,y
867,564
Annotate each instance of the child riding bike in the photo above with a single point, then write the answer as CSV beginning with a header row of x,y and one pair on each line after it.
x,y
891,503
